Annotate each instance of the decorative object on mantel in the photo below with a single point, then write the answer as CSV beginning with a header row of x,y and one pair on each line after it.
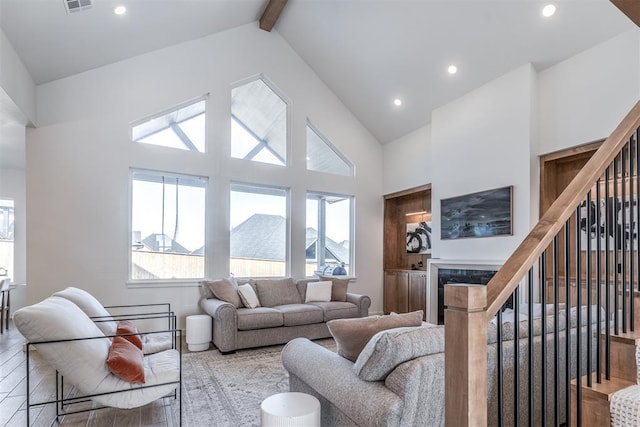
x,y
419,237
482,214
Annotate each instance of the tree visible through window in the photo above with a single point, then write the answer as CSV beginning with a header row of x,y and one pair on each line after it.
x,y
328,232
258,123
167,226
258,235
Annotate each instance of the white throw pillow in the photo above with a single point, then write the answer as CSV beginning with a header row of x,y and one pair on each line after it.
x,y
248,296
318,291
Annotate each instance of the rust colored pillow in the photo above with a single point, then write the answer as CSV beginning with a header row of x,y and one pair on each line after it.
x,y
127,327
352,335
125,361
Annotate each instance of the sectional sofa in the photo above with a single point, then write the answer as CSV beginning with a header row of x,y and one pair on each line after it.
x,y
398,378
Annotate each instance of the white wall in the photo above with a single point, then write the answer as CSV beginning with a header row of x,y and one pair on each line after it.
x,y
16,80
479,142
78,162
12,186
406,162
583,98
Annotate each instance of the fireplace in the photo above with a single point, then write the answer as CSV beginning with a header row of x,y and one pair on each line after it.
x,y
442,272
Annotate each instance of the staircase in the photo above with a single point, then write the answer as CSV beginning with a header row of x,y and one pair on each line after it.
x,y
581,262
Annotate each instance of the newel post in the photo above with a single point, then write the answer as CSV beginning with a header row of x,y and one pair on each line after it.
x,y
465,362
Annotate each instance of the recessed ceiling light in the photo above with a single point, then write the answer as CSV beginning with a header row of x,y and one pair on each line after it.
x,y
548,10
120,10
397,102
452,69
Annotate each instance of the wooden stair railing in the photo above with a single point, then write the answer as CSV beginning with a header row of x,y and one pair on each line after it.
x,y
539,258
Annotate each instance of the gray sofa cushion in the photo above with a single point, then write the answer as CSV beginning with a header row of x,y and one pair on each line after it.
x,y
388,349
300,314
273,292
225,290
259,318
337,310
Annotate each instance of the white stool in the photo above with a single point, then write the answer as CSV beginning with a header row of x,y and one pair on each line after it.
x,y
290,410
198,332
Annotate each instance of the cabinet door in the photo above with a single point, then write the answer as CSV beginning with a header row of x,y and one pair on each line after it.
x,y
396,292
418,293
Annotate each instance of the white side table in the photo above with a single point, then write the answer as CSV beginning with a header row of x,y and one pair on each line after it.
x,y
290,410
198,332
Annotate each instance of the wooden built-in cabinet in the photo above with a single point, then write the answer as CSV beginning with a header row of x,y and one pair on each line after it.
x,y
405,291
405,275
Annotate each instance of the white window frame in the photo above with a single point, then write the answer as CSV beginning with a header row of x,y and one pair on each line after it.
x,y
285,99
352,225
169,110
131,282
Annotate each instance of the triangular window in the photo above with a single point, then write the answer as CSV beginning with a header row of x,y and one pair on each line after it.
x,y
182,128
322,156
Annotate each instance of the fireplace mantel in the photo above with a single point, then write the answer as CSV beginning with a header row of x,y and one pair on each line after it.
x,y
434,265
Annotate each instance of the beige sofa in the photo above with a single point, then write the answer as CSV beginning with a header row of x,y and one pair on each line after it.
x,y
282,317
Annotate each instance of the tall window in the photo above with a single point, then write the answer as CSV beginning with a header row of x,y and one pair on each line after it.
x,y
258,123
167,225
322,156
6,237
182,128
328,232
258,236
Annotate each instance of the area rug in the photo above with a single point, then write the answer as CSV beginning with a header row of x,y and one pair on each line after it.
x,y
227,390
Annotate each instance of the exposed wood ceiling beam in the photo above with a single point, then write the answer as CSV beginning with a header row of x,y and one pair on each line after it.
x,y
271,14
631,8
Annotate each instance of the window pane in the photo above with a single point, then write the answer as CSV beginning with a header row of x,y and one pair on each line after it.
x,y
258,236
6,237
182,128
328,232
323,157
167,218
258,124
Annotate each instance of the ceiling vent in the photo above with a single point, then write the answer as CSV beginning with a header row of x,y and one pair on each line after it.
x,y
73,6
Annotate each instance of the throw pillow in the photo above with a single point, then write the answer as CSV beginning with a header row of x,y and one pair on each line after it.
x,y
226,290
339,289
388,349
125,361
352,335
273,292
248,296
127,327
318,291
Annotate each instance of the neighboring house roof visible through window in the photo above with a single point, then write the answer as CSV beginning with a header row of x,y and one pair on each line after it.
x,y
270,246
163,243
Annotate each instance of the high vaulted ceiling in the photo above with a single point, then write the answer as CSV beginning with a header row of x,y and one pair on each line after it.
x,y
367,51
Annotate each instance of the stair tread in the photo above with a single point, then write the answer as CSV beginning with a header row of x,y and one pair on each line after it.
x,y
603,390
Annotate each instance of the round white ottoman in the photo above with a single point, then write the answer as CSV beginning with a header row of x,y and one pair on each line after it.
x,y
289,410
198,332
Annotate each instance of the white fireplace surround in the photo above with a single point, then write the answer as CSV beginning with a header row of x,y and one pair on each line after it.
x,y
432,276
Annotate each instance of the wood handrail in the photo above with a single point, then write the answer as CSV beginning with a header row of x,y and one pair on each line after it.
x,y
505,281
